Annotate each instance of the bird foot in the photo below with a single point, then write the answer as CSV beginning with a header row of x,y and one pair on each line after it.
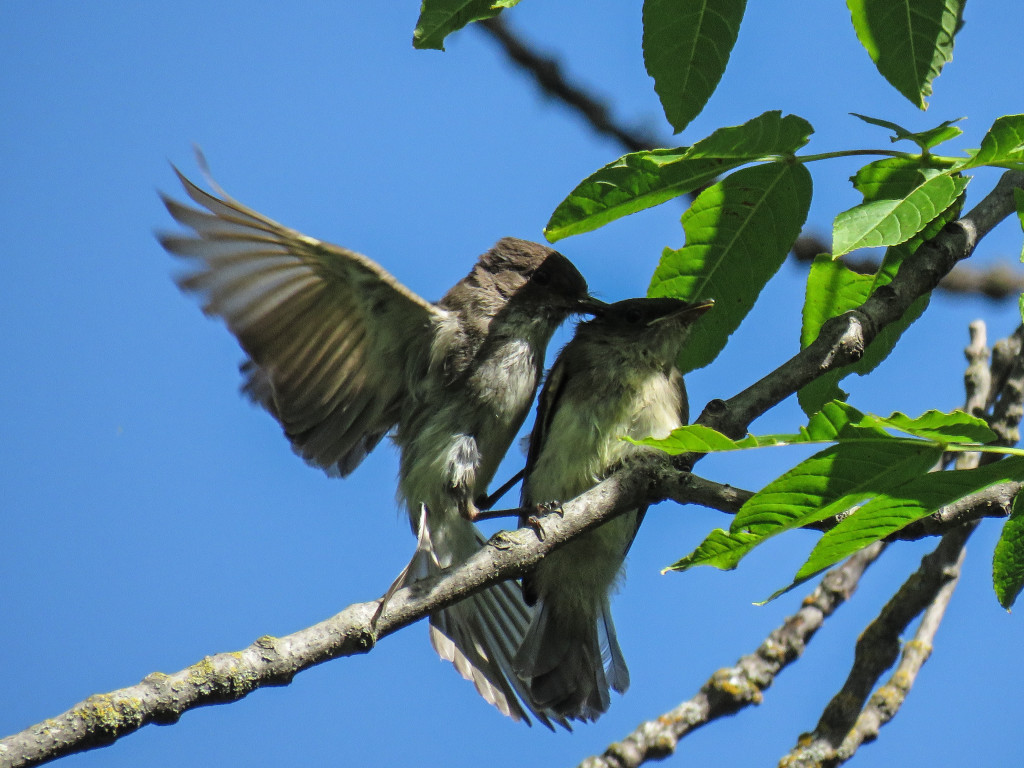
x,y
540,511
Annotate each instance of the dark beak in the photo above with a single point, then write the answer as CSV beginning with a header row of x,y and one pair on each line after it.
x,y
588,305
688,313
698,308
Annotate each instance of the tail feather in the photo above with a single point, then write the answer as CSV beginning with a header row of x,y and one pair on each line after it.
x,y
611,654
569,662
480,634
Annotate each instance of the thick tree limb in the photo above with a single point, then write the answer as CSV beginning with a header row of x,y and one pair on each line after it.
x,y
836,738
842,339
733,688
161,698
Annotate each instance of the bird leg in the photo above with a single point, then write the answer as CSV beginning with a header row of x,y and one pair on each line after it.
x,y
486,502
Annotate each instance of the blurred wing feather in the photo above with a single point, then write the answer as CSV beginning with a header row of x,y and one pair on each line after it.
x,y
334,341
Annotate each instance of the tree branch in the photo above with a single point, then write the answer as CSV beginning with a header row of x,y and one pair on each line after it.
x,y
836,737
269,661
684,488
999,281
547,72
842,339
159,698
887,700
733,688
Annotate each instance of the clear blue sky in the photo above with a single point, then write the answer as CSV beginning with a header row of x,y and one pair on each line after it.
x,y
150,516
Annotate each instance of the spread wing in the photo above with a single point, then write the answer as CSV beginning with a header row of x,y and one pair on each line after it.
x,y
333,339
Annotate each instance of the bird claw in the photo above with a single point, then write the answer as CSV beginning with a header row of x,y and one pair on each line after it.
x,y
547,507
534,522
543,509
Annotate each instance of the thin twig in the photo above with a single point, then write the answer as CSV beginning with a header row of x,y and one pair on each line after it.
x,y
547,73
887,700
733,688
999,281
851,719
877,649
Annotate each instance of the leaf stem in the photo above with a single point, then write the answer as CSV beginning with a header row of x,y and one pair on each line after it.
x,y
935,161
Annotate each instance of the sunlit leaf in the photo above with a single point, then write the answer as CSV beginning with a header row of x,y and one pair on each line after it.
x,y
891,178
926,140
893,221
696,438
686,46
632,183
439,18
907,502
738,233
767,134
1008,558
719,549
832,481
1002,144
955,427
644,179
909,40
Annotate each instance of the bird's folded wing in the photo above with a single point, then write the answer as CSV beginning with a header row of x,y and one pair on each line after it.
x,y
334,340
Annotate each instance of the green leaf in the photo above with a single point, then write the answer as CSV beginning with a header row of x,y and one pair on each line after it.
x,y
1008,558
835,422
720,549
1018,199
924,139
641,180
1002,144
692,438
909,40
892,178
882,480
738,233
893,221
832,481
833,289
903,504
767,134
696,438
439,18
632,183
955,427
686,46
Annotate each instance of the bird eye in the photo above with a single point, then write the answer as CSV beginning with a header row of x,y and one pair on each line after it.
x,y
542,278
633,316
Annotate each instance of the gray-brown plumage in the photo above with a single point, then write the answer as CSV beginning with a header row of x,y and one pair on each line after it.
x,y
341,354
616,378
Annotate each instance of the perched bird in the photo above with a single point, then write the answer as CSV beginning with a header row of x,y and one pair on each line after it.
x,y
341,353
616,378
